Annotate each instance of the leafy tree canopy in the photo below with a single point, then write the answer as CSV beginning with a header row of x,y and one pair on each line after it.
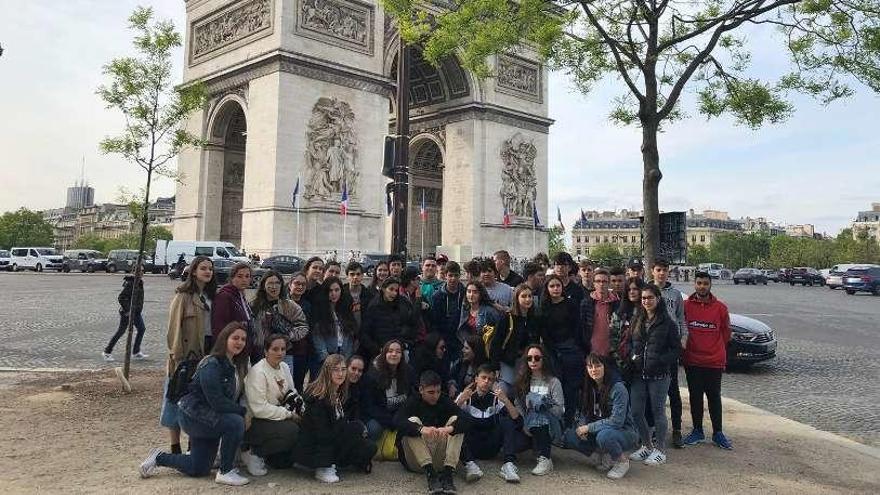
x,y
25,228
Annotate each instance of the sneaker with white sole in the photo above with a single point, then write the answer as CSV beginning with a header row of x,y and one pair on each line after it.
x,y
641,454
472,471
231,478
148,467
254,463
619,469
656,458
107,357
544,466
509,472
326,475
140,356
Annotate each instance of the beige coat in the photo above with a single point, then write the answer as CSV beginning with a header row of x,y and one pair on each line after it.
x,y
186,329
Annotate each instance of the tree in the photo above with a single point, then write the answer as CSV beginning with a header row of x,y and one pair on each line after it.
x,y
25,228
606,254
698,254
143,90
659,48
555,241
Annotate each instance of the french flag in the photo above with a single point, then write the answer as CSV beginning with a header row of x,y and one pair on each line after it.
x,y
423,211
343,205
506,219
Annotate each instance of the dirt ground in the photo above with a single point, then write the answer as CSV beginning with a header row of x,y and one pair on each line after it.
x,y
79,433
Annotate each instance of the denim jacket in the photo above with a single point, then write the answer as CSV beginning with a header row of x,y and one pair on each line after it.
x,y
621,413
211,392
327,344
486,315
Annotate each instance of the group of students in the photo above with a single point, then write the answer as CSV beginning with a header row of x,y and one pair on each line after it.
x,y
438,369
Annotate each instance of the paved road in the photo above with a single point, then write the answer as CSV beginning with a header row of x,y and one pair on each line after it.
x,y
826,373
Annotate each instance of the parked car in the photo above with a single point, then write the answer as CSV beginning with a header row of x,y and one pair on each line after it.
x,y
834,280
751,341
772,275
369,262
121,260
83,260
222,268
784,274
805,276
749,276
715,270
35,258
5,260
284,264
862,279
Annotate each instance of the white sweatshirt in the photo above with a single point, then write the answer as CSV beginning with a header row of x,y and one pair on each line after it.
x,y
265,386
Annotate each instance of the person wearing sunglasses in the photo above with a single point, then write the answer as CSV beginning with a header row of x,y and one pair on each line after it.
x,y
535,420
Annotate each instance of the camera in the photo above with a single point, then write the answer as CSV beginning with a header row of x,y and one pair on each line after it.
x,y
292,401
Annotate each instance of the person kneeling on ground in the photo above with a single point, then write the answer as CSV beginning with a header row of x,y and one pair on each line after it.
x,y
604,425
485,402
536,420
276,408
211,414
430,434
327,440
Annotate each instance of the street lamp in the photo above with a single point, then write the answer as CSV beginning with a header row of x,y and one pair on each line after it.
x,y
400,172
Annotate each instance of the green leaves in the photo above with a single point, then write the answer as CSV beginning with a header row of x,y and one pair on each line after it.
x,y
24,228
750,101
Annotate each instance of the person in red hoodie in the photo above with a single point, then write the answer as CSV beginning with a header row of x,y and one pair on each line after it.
x,y
705,357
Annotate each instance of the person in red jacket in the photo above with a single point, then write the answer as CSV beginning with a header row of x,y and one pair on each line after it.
x,y
705,357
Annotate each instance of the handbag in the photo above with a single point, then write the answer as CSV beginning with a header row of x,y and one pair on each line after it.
x,y
178,382
387,446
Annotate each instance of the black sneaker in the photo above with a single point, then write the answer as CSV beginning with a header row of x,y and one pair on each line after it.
x,y
677,442
446,480
435,487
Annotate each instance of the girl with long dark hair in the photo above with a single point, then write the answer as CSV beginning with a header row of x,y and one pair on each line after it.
x,y
274,313
335,327
476,312
621,324
564,338
515,330
390,381
473,355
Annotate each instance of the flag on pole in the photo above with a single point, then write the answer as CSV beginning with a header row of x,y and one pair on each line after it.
x,y
423,211
535,219
389,205
343,205
295,192
559,217
506,219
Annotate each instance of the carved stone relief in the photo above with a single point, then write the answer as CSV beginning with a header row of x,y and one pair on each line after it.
x,y
518,179
331,151
218,32
345,23
519,77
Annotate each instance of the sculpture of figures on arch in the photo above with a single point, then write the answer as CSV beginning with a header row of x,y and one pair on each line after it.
x,y
331,151
519,183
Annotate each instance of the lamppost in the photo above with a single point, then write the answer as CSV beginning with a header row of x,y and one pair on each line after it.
x,y
400,174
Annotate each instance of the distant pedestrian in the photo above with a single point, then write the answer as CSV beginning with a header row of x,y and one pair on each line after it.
x,y
131,302
705,357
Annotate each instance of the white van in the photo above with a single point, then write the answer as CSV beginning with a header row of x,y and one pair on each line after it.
x,y
35,258
168,252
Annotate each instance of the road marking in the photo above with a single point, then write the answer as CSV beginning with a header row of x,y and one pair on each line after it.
x,y
756,314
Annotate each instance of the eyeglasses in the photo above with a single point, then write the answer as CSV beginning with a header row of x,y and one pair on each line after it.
x,y
534,359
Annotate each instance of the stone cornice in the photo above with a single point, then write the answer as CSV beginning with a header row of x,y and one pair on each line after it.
x,y
311,209
482,111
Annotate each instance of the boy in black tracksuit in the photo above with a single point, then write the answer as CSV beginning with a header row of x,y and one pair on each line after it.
x,y
484,404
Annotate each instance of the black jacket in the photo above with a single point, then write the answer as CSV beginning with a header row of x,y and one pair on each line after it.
x,y
513,279
446,312
424,360
125,296
561,323
652,355
383,321
375,404
437,415
508,342
326,439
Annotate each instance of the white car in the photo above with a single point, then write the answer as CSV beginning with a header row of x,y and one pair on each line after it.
x,y
5,260
36,258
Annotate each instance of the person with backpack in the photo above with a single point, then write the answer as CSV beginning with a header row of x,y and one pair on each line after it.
x,y
131,303
211,414
604,427
515,330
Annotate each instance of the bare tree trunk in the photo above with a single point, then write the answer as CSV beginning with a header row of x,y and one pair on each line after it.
x,y
650,190
138,274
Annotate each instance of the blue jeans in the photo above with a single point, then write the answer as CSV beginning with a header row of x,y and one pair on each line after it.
x,y
204,441
608,441
374,430
641,391
137,322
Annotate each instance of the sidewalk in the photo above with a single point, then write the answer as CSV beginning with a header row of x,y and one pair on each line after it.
x,y
78,433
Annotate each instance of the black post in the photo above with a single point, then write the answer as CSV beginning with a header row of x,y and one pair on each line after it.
x,y
401,173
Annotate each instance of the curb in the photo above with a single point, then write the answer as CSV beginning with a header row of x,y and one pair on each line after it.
x,y
4,369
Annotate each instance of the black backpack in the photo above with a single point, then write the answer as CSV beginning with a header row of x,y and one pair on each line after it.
x,y
178,383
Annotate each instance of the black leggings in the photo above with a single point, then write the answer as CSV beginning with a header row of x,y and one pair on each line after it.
x,y
704,381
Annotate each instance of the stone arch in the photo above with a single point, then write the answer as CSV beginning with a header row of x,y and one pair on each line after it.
x,y
227,135
426,156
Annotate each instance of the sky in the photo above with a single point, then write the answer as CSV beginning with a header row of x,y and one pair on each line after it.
x,y
819,167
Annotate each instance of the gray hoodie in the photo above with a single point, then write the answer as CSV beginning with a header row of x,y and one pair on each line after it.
x,y
675,308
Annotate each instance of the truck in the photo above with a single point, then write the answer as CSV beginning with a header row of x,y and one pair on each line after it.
x,y
168,252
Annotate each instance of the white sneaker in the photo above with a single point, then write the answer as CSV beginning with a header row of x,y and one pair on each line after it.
x,y
140,355
326,475
231,478
148,467
509,472
656,458
254,463
619,469
472,471
107,357
641,454
544,466
605,463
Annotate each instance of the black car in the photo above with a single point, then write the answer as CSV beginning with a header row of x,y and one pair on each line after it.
x,y
862,279
83,260
749,276
805,275
221,273
369,262
751,341
284,264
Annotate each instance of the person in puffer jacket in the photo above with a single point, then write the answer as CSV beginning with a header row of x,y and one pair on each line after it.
x,y
654,346
705,357
388,317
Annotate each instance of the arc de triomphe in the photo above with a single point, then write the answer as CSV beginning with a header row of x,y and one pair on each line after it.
x,y
303,89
